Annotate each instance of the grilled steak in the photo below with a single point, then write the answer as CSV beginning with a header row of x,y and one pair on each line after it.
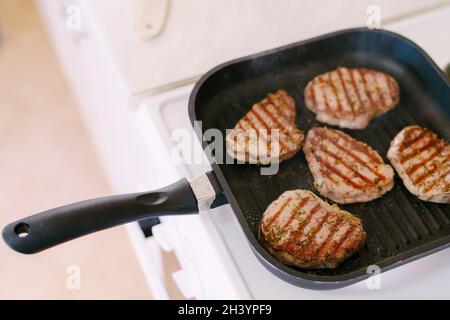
x,y
301,229
422,160
346,170
267,133
350,98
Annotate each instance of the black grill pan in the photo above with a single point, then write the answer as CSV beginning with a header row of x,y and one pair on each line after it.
x,y
400,228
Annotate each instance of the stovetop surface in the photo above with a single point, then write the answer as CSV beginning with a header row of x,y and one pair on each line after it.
x,y
428,277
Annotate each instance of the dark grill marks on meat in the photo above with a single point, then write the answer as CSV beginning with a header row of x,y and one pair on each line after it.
x,y
393,89
278,213
360,103
312,94
303,202
288,114
344,239
264,105
433,142
310,233
435,181
275,112
348,101
309,243
386,95
369,93
328,243
344,169
375,158
422,160
335,92
410,140
346,164
290,243
417,166
324,96
355,146
338,173
351,97
264,124
436,166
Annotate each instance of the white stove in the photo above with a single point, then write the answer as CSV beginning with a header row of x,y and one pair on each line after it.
x,y
118,68
216,260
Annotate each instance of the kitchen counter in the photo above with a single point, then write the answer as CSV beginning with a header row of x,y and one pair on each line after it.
x,y
200,35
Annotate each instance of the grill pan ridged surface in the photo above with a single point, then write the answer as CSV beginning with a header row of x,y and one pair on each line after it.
x,y
399,226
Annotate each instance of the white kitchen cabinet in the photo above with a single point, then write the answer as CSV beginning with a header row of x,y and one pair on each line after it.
x,y
199,34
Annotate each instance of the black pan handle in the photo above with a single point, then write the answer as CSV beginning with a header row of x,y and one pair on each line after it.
x,y
55,226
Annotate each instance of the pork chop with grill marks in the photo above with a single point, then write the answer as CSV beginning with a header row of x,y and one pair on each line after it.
x,y
422,160
268,132
350,98
302,230
346,170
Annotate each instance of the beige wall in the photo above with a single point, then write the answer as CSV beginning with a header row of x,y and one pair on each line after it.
x,y
46,160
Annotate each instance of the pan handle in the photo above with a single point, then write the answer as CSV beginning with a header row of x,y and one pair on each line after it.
x,y
55,226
